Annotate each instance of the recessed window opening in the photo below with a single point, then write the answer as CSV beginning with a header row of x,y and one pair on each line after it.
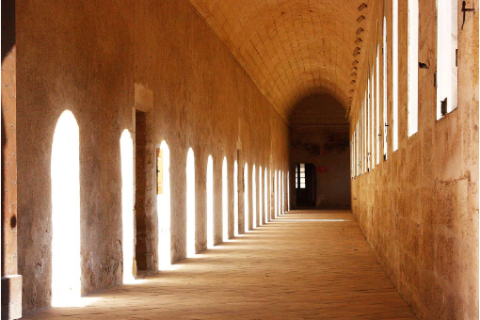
x,y
254,199
351,159
283,192
377,104
143,257
275,193
288,190
210,233
372,117
385,90
354,158
446,75
260,197
266,196
235,198
357,149
362,144
300,176
190,203
224,200
128,233
364,135
413,25
245,184
369,120
65,179
280,192
163,206
395,73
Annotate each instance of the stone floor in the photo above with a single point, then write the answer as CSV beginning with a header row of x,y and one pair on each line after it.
x,y
303,265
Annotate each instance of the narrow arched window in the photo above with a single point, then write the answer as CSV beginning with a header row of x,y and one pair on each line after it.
x,y
210,231
190,203
224,200
413,22
163,206
446,75
65,178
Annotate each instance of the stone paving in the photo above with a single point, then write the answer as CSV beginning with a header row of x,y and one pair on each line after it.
x,y
303,265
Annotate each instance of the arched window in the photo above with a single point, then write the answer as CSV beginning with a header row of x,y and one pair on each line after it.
x,y
260,197
377,103
210,233
385,89
254,199
235,198
413,25
128,234
65,175
288,191
266,196
245,182
446,75
275,192
190,199
224,200
163,206
395,73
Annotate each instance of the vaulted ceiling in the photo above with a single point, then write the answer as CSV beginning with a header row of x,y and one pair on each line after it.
x,y
293,48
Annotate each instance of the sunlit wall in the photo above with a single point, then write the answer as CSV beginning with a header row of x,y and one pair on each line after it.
x,y
65,175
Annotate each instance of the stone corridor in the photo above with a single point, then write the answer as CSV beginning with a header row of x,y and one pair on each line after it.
x,y
302,265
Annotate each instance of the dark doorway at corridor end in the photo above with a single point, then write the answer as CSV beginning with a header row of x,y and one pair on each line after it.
x,y
319,136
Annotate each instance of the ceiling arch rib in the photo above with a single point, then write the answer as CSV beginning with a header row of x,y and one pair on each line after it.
x,y
293,48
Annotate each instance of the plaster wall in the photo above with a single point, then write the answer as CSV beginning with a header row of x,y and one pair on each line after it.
x,y
86,57
419,208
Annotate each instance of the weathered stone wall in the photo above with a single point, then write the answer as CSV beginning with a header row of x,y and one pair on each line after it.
x,y
419,209
86,57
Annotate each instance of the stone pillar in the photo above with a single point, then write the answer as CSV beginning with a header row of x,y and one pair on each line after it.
x,y
11,281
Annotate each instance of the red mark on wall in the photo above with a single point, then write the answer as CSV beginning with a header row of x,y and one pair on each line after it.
x,y
322,169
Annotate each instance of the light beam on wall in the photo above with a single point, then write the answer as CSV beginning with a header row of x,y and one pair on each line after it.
x,y
128,235
65,178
